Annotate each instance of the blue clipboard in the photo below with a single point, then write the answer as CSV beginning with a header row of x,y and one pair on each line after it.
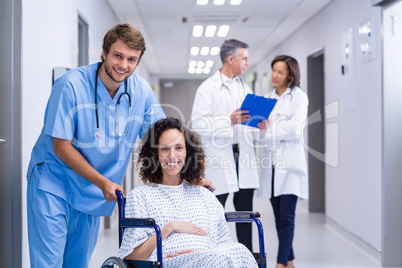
x,y
259,108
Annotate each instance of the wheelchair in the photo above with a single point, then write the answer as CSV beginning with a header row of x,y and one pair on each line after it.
x,y
116,262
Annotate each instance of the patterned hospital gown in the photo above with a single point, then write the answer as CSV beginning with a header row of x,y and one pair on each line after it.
x,y
185,203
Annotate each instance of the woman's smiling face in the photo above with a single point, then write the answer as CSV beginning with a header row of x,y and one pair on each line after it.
x,y
172,155
280,75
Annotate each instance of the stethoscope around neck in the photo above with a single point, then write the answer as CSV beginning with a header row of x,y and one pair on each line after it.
x,y
289,93
225,86
98,133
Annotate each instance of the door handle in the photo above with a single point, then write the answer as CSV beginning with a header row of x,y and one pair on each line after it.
x,y
2,140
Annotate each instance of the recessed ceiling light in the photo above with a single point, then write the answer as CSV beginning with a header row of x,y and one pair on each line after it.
x,y
215,51
198,70
191,70
194,51
206,70
202,2
234,2
204,51
197,30
219,2
210,30
209,63
192,63
200,63
223,30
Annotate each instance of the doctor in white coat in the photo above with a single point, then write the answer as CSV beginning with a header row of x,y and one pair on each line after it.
x,y
229,145
284,171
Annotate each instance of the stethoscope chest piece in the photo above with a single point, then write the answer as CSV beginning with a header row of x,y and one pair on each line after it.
x,y
98,134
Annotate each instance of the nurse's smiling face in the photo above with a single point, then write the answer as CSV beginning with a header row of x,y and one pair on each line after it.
x,y
118,64
172,155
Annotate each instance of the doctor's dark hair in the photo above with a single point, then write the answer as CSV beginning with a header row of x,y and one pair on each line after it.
x,y
150,169
293,68
231,47
126,33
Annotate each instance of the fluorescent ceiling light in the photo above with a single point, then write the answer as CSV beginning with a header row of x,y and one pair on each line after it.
x,y
194,51
210,30
223,30
204,51
215,51
206,70
197,30
219,2
192,63
202,2
198,70
209,63
191,70
200,63
234,2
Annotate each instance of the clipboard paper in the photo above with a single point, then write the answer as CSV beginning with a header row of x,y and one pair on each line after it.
x,y
259,108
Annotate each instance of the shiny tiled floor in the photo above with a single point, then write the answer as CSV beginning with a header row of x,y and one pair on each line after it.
x,y
316,243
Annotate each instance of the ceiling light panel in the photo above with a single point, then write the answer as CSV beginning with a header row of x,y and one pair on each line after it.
x,y
210,31
209,63
233,2
192,63
215,51
219,2
194,51
197,30
223,30
204,51
202,2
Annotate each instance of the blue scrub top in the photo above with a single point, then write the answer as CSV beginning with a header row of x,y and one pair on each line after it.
x,y
70,114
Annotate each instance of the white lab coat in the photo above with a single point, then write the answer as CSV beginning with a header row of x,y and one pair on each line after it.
x,y
284,148
210,117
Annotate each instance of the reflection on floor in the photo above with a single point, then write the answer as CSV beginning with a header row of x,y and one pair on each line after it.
x,y
316,244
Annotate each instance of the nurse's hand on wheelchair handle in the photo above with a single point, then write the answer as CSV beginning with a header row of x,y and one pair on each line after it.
x,y
209,184
109,189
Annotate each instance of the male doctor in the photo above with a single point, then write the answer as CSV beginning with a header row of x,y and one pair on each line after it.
x,y
229,145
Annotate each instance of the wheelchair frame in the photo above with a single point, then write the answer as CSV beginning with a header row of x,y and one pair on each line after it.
x,y
236,216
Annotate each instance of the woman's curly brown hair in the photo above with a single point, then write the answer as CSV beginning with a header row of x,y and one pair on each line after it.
x,y
148,161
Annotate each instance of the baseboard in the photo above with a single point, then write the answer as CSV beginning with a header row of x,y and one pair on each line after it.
x,y
358,242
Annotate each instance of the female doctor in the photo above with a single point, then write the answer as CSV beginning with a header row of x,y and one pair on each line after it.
x,y
286,179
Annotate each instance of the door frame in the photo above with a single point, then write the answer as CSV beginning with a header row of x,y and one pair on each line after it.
x,y
316,130
11,131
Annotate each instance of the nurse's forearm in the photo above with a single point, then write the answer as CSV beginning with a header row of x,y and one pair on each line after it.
x,y
69,155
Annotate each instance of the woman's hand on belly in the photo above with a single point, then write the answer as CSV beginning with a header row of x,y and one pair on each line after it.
x,y
180,252
186,228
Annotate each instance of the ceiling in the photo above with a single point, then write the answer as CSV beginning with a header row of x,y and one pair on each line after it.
x,y
167,28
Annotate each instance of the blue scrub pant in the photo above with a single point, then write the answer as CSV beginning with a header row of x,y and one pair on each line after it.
x,y
284,207
58,235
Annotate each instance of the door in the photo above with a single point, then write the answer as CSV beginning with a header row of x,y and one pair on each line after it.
x,y
316,132
10,134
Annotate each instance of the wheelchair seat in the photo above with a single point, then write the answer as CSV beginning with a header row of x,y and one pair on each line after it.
x,y
237,216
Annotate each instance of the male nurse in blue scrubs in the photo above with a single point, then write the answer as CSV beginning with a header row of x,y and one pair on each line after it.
x,y
92,120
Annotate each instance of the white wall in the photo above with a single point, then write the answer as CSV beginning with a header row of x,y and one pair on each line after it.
x,y
353,187
50,38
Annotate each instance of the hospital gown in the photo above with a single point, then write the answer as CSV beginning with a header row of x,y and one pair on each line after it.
x,y
187,203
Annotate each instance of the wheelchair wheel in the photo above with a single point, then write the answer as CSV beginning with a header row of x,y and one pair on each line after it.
x,y
114,262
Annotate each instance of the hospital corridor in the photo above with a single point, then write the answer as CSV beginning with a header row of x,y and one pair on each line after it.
x,y
317,153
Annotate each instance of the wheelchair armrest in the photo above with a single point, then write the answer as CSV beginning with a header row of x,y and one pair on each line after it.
x,y
242,215
137,222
